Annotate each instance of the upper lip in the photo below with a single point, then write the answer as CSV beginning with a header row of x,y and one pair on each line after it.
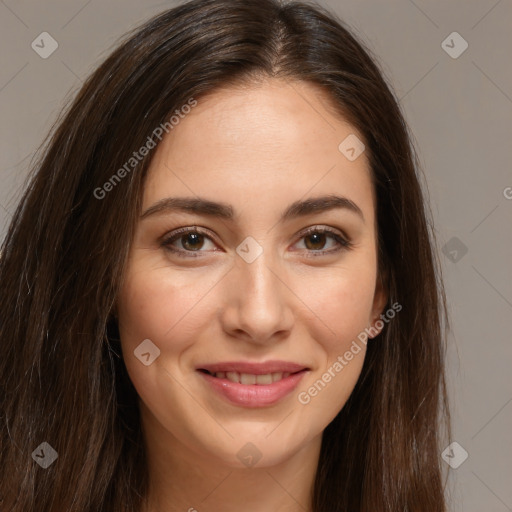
x,y
254,368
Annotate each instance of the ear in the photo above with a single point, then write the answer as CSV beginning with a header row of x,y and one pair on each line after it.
x,y
380,300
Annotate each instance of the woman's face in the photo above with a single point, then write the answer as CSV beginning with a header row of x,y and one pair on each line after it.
x,y
252,297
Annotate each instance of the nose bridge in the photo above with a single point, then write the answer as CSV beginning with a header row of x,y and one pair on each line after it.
x,y
258,299
258,278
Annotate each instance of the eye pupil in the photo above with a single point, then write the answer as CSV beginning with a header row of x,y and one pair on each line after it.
x,y
195,237
319,238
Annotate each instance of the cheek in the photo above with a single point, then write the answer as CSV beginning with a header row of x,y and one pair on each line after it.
x,y
169,308
342,303
165,310
156,305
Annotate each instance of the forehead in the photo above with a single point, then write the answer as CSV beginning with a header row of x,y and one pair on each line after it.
x,y
272,142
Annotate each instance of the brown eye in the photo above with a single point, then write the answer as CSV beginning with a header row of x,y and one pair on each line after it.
x,y
317,241
316,238
186,242
192,241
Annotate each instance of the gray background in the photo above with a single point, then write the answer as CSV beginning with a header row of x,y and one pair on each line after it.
x,y
460,113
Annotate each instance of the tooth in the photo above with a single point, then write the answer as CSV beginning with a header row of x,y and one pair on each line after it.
x,y
264,379
250,379
246,378
232,376
277,376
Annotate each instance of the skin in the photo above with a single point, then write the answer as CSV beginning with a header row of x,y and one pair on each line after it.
x,y
258,148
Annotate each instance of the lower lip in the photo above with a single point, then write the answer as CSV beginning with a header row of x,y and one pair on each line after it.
x,y
254,395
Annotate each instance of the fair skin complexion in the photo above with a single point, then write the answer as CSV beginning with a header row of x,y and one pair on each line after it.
x,y
258,148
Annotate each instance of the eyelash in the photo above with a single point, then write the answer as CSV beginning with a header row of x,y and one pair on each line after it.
x,y
344,244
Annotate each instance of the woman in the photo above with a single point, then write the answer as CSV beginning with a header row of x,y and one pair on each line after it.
x,y
221,288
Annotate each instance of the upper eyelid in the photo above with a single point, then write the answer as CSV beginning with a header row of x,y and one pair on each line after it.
x,y
189,229
206,231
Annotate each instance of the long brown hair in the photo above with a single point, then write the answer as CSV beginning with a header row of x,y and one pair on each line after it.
x,y
64,379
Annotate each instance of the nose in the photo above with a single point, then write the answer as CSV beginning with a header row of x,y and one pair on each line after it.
x,y
258,301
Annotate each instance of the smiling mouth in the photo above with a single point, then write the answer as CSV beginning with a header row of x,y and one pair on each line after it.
x,y
251,379
247,384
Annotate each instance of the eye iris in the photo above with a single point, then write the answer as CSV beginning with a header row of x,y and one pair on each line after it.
x,y
319,238
195,238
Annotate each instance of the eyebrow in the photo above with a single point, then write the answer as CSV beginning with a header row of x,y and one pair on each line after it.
x,y
201,206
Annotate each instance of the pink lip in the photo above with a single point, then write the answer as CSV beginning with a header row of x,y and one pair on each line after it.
x,y
254,395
